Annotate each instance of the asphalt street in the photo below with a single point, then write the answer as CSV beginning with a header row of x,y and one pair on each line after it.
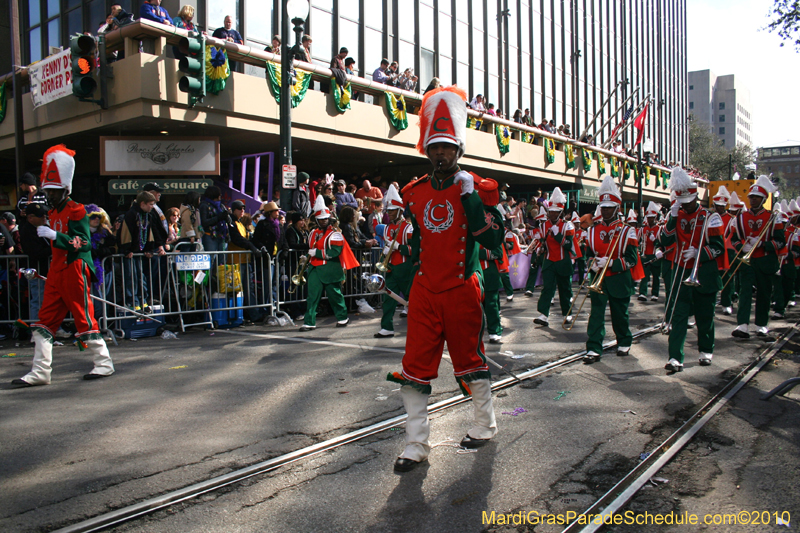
x,y
184,410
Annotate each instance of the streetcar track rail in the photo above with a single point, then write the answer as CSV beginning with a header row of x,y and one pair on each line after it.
x,y
619,495
151,505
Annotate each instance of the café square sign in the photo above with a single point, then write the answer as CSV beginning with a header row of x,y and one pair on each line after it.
x,y
159,156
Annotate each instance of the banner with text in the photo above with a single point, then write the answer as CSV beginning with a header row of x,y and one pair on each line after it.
x,y
170,186
51,78
159,156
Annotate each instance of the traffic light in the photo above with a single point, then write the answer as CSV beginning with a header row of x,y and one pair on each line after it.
x,y
84,53
193,64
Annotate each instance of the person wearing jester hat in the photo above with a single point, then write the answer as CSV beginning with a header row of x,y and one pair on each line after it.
x,y
453,212
784,285
764,262
329,256
536,251
611,240
651,260
729,288
397,243
685,227
557,266
70,276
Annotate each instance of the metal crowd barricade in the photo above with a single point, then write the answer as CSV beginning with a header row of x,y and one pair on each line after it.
x,y
14,293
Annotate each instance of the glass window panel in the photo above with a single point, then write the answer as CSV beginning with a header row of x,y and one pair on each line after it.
x,y
547,13
426,73
525,34
493,89
513,100
259,21
462,11
323,4
445,7
445,36
73,3
526,71
462,42
53,34
405,19
559,84
426,27
477,13
526,99
35,44
322,39
219,9
477,83
513,56
493,59
462,76
477,49
75,21
349,8
373,15
348,37
512,29
97,13
52,8
536,110
373,50
34,13
491,18
548,80
406,56
445,71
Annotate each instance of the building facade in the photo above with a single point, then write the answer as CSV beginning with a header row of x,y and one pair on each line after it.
x,y
782,162
723,103
559,58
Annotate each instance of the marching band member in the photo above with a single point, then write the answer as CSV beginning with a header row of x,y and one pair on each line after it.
x,y
796,260
580,246
632,218
648,236
611,240
536,251
721,200
685,227
397,242
493,264
329,256
557,266
450,220
784,287
668,271
511,245
71,273
764,260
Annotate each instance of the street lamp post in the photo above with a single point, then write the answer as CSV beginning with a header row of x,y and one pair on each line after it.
x,y
295,11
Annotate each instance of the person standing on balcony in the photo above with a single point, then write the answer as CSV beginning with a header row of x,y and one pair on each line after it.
x,y
152,10
227,33
380,75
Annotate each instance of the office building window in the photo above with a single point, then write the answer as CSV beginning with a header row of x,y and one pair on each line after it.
x,y
691,87
721,105
722,118
722,131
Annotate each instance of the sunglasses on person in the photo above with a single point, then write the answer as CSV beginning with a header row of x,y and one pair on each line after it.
x,y
94,217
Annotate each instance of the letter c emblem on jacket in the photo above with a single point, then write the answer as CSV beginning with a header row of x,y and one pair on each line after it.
x,y
434,224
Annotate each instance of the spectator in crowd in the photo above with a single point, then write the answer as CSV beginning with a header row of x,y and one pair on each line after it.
x,y
239,242
338,60
543,125
104,245
296,243
152,10
350,66
190,219
551,126
30,194
560,130
351,188
184,18
161,226
394,73
380,74
434,84
343,198
275,47
6,241
136,237
214,220
477,104
174,234
300,196
567,132
227,33
408,81
327,193
38,250
9,223
527,119
111,23
373,219
268,231
370,195
518,116
305,50
490,110
348,222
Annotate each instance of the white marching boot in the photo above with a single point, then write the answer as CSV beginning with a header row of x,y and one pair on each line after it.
x,y
485,424
417,429
42,361
103,366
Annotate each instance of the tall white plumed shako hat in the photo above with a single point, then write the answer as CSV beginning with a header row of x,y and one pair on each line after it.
x,y
682,185
652,209
392,199
735,202
443,118
58,168
320,209
723,196
762,187
557,200
609,193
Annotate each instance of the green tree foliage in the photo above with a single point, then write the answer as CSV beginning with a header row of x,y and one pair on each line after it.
x,y
785,19
709,156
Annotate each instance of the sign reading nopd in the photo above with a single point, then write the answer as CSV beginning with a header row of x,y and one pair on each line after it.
x,y
159,156
191,262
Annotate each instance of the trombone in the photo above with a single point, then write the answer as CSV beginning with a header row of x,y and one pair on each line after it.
x,y
692,280
383,262
749,254
666,325
299,277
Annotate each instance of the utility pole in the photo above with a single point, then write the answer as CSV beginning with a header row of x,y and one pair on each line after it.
x,y
16,62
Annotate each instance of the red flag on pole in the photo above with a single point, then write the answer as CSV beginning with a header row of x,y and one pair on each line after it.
x,y
639,123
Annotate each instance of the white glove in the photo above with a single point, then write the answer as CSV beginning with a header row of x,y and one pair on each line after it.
x,y
554,230
659,254
748,244
689,253
600,264
46,232
652,236
386,250
312,252
395,245
466,181
674,210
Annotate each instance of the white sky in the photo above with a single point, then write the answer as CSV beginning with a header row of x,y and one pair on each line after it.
x,y
728,37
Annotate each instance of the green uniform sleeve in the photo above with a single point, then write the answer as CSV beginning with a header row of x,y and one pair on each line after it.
x,y
76,228
484,223
778,241
628,261
333,251
668,234
716,247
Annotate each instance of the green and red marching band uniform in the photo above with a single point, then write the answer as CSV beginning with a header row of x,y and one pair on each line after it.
x,y
764,262
493,264
784,287
68,285
685,228
397,236
724,263
329,257
669,250
535,251
511,245
450,223
611,240
557,265
651,256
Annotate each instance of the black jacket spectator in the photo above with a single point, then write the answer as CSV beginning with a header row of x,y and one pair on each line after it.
x,y
37,248
300,201
266,235
211,217
137,225
295,239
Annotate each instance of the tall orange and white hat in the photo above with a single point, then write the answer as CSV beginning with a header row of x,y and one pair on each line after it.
x,y
631,218
557,200
58,168
443,118
609,193
684,187
320,209
794,208
762,187
576,220
722,197
598,215
735,203
392,199
652,210
542,216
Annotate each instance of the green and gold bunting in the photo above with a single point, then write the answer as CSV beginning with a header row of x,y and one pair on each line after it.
x,y
614,167
2,102
217,70
664,180
341,96
569,155
503,137
549,150
601,164
474,123
658,178
298,91
623,168
587,159
526,137
647,175
397,111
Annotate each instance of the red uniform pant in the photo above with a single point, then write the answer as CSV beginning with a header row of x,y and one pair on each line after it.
x,y
67,291
454,316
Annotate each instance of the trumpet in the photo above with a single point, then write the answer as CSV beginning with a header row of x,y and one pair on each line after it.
x,y
749,254
692,280
299,277
383,261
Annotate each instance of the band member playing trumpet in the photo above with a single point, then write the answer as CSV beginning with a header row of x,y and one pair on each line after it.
x,y
397,250
758,232
615,249
651,260
784,286
721,200
535,251
698,234
557,266
330,256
